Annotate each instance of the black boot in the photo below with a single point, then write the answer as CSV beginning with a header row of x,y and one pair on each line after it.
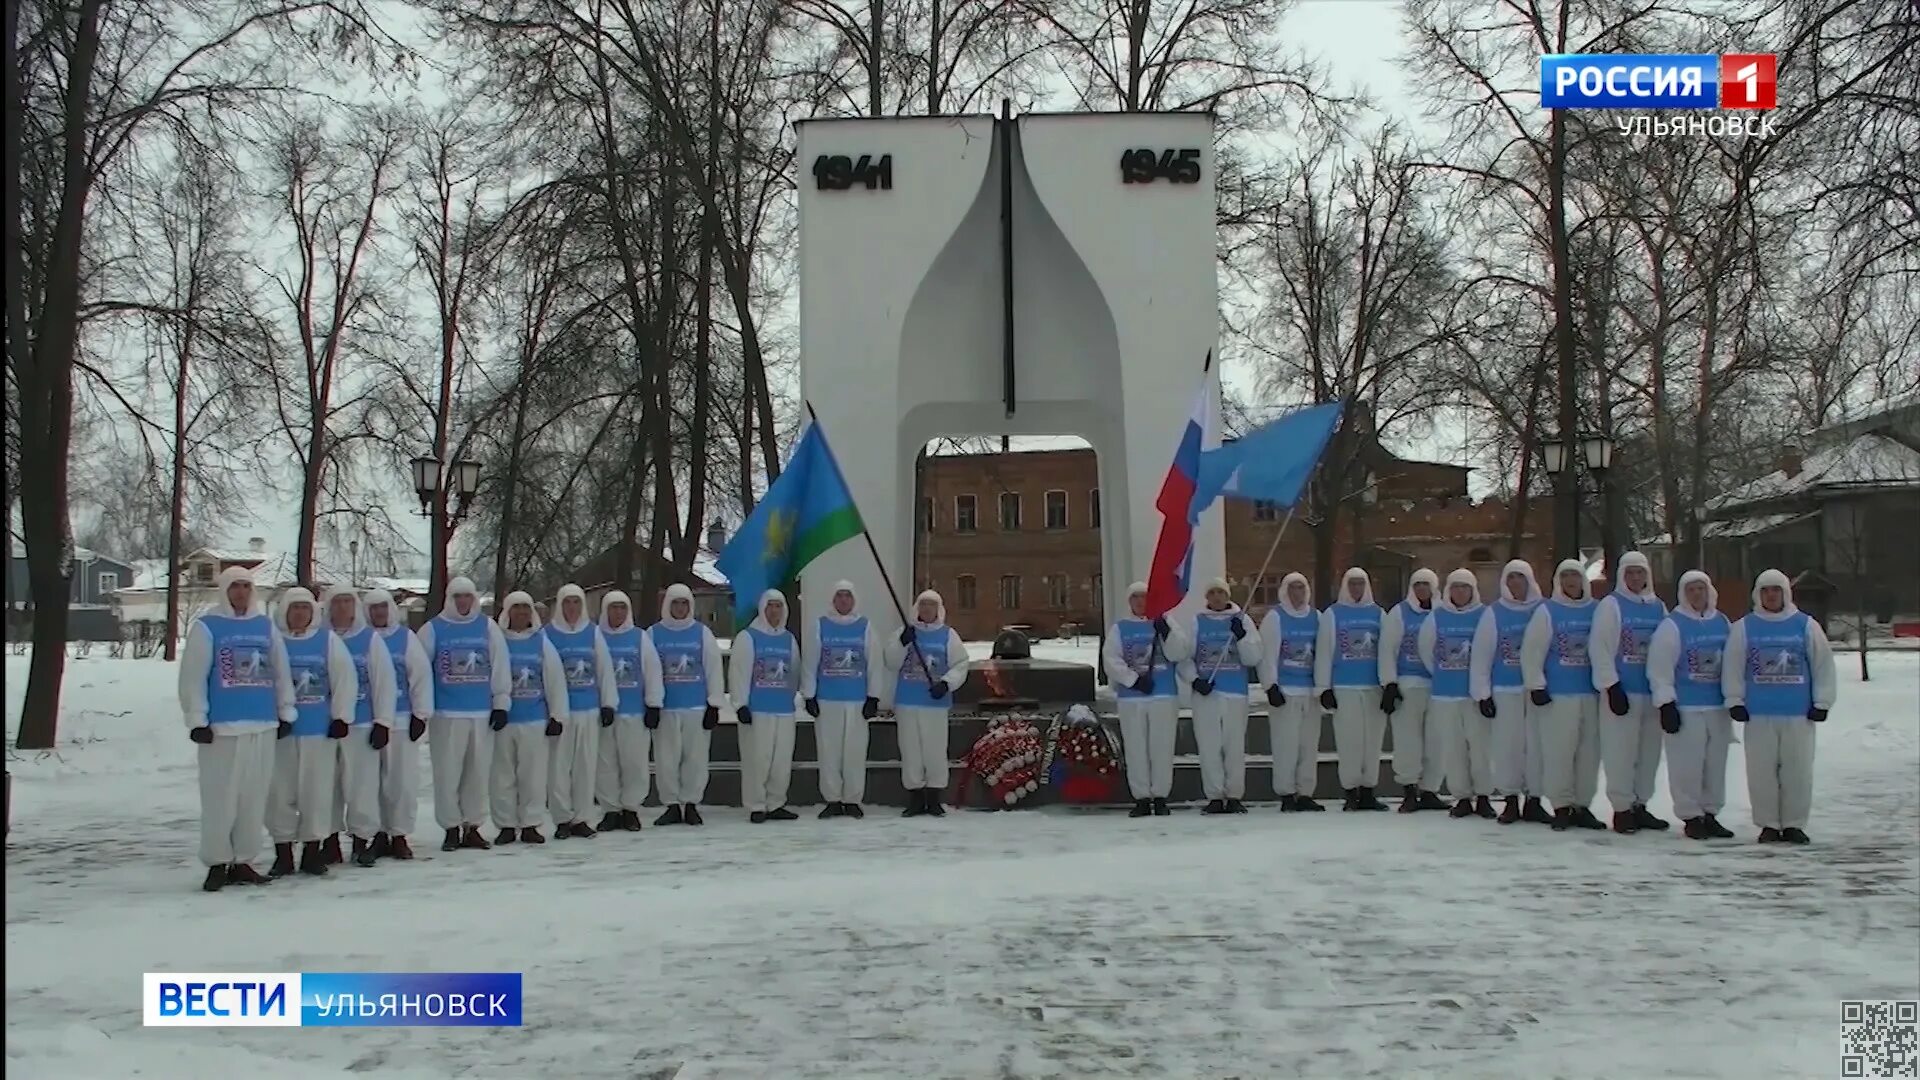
x,y
781,813
1534,812
1305,803
1483,806
452,842
1624,823
1214,806
936,802
382,845
400,849
216,879
562,830
1795,836
1562,819
1235,806
852,810
470,838
758,817
630,820
673,816
507,836
611,820
312,859
1288,804
241,874
1141,808
1644,817
1352,801
1369,802
1717,830
1462,809
282,861
583,830
1510,813
1584,818
1770,836
1160,808
692,814
532,836
916,803
363,853
1430,800
831,810
1696,829
1410,798
331,850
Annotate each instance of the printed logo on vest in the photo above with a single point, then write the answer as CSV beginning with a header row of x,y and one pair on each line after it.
x,y
579,672
309,687
1633,645
1296,653
770,672
1136,655
1702,665
243,666
1510,649
1451,653
1570,648
1776,667
624,672
843,661
465,666
1358,644
528,681
681,665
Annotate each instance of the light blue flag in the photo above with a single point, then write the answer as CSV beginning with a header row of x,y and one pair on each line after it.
x,y
806,511
1272,463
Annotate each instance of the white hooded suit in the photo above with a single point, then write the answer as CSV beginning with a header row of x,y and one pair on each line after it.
x,y
357,787
1519,768
923,728
1150,724
682,743
1570,723
1418,761
460,742
400,761
1453,719
1220,718
766,744
1359,727
575,755
1779,747
1697,753
840,731
1293,728
1630,744
303,806
622,779
521,749
236,768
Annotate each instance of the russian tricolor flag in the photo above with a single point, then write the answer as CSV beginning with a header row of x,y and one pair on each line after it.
x,y
1170,576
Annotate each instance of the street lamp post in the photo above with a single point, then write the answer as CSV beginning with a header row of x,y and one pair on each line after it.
x,y
353,557
446,495
1564,458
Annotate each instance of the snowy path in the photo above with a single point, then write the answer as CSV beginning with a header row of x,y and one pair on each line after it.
x,y
988,945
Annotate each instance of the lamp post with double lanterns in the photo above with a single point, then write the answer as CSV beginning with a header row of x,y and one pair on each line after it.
x,y
446,495
1564,458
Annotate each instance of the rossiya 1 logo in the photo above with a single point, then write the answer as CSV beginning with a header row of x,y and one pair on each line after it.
x,y
1658,81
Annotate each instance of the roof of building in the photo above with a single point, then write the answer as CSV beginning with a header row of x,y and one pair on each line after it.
x,y
1870,462
401,584
80,554
597,572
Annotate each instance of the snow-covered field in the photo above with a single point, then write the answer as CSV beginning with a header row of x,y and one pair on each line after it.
x,y
986,945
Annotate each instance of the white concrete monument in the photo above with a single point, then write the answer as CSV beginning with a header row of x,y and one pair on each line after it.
x,y
1044,275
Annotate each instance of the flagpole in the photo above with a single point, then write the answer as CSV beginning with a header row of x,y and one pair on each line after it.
x,y
1267,562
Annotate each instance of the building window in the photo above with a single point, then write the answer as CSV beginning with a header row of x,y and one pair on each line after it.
x,y
1010,592
1010,511
966,593
1056,509
926,515
1059,592
1093,508
1267,593
1266,511
966,513
109,581
203,573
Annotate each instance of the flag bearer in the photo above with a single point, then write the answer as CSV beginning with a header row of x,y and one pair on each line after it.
x,y
412,699
1289,635
1346,672
522,741
591,698
1224,647
1446,649
1500,691
1684,662
372,728
1405,689
623,776
763,670
1556,659
686,689
1623,625
471,689
840,682
922,700
307,764
1780,685
1139,655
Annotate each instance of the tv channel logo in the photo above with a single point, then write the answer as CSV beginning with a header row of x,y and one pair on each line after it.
x,y
331,999
1658,81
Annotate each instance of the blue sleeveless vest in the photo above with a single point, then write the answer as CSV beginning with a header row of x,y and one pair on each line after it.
x,y
578,661
1453,653
1136,648
1213,644
775,672
1407,664
358,644
1356,645
526,660
312,687
240,679
399,641
1638,620
623,648
462,665
1569,669
1510,627
1779,677
842,675
1696,674
1299,636
910,689
683,665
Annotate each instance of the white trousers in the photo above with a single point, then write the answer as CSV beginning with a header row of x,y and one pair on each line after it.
x,y
1359,730
1468,737
306,770
1630,751
680,749
236,771
840,747
1519,761
1780,770
1418,758
460,749
621,781
571,761
520,775
766,760
1148,727
1570,734
399,784
1220,732
1293,732
923,748
362,782
1697,762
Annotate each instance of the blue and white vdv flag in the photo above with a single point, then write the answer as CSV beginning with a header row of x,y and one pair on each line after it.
x,y
1272,463
330,999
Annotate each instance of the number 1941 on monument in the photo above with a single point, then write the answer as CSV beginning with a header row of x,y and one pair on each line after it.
x,y
840,172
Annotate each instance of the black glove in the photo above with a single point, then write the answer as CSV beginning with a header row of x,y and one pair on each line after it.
x,y
202,735
1617,700
416,728
1274,696
1390,698
1817,714
498,721
1486,708
651,717
1541,697
379,736
1203,687
812,705
1160,628
937,689
1739,713
286,729
1143,683
554,727
1670,718
337,730
1238,626
870,708
744,715
906,635
1328,701
606,716
710,719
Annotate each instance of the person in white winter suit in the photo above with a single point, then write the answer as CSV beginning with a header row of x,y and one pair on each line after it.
x,y
1406,687
1454,718
307,764
1225,645
1684,664
623,778
1557,663
686,689
763,670
237,701
1289,640
591,697
523,739
1779,682
1346,673
840,686
1623,626
928,662
357,786
471,687
1139,656
1500,695
413,702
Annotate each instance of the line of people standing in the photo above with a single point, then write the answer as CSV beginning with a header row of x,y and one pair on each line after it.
x,y
1522,700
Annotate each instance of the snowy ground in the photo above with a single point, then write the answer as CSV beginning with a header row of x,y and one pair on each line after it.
x,y
986,945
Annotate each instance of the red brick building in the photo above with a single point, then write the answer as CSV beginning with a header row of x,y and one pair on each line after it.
x,y
1012,539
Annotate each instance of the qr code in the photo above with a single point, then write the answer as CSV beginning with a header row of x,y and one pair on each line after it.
x,y
1879,1038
